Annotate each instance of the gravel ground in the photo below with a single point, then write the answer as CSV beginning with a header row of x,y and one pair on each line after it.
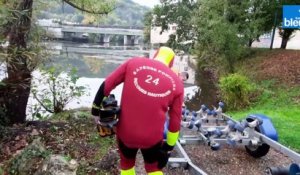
x,y
226,161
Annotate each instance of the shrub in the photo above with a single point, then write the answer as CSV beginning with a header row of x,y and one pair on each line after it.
x,y
236,90
54,89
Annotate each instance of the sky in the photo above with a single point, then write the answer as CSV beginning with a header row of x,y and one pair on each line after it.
x,y
149,3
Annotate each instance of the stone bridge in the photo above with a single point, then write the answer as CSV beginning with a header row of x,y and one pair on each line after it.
x,y
101,34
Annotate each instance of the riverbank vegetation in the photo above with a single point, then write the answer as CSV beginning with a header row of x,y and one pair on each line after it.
x,y
276,76
265,82
220,35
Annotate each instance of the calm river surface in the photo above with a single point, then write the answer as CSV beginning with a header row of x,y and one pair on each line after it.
x,y
94,63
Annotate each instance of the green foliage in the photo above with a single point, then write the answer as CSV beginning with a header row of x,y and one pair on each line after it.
x,y
217,31
274,96
125,13
59,88
236,90
4,13
218,42
252,17
147,26
284,120
179,13
16,18
105,144
68,158
280,104
97,7
2,84
276,100
224,28
22,56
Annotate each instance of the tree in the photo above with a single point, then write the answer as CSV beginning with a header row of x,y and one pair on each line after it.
x,y
147,26
16,91
16,26
217,47
252,17
179,13
286,35
218,43
224,28
126,13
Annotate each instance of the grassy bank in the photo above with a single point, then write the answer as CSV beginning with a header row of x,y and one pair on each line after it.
x,y
283,107
277,75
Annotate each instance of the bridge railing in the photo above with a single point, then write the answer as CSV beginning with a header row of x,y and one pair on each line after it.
x,y
91,25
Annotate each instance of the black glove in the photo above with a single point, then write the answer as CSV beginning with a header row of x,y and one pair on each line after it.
x,y
164,154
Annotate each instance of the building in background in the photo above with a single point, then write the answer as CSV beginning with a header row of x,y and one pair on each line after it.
x,y
265,41
156,37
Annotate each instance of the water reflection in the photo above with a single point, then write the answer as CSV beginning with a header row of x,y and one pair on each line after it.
x,y
206,80
94,63
87,65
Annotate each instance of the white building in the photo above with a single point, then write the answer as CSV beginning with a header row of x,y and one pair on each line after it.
x,y
181,61
265,41
157,38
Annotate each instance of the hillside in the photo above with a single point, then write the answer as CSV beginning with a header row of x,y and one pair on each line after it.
x,y
127,13
276,75
282,66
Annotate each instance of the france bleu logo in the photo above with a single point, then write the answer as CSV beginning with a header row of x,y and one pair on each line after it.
x,y
291,16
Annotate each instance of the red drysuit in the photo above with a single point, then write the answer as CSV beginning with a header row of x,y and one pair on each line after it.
x,y
150,90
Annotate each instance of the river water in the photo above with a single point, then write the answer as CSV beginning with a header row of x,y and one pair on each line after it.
x,y
95,62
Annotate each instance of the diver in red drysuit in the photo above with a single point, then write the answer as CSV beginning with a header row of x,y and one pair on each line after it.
x,y
150,90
